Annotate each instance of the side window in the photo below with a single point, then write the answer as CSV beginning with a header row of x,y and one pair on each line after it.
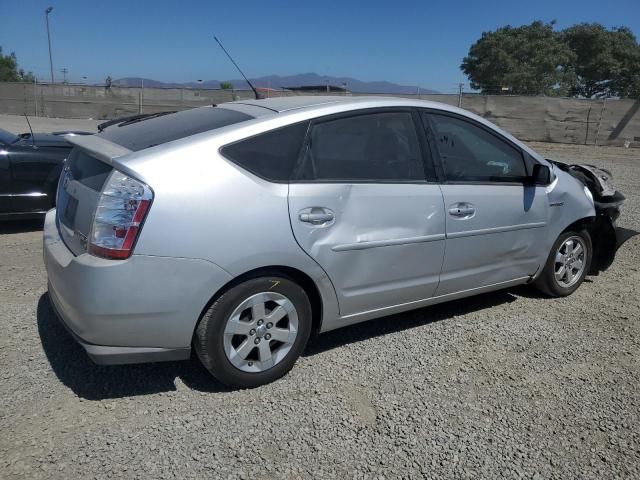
x,y
271,155
471,154
370,147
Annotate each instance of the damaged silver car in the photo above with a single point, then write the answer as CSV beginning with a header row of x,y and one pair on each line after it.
x,y
238,230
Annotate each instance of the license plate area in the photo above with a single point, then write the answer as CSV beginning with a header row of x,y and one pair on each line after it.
x,y
69,212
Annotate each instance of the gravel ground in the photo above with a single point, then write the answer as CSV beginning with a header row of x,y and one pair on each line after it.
x,y
506,384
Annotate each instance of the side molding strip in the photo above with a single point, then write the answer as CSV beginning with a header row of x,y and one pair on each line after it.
x,y
388,243
485,231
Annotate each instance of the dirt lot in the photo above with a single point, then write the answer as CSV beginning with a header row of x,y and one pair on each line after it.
x,y
507,384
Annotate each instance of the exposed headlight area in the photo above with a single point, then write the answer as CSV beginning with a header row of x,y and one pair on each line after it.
x,y
122,207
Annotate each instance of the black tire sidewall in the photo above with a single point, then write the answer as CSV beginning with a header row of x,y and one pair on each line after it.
x,y
210,333
550,285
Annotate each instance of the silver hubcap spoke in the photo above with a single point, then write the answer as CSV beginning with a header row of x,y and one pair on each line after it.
x,y
577,265
265,354
569,261
242,352
560,258
260,332
257,311
560,274
281,334
277,314
236,327
570,275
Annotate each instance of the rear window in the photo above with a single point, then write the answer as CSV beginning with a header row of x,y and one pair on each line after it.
x,y
271,155
89,171
149,132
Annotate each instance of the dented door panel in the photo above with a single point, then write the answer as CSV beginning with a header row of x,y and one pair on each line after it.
x,y
503,240
383,244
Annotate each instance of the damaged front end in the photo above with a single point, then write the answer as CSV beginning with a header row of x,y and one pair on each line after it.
x,y
607,202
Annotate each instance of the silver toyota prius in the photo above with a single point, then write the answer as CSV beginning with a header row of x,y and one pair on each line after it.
x,y
238,230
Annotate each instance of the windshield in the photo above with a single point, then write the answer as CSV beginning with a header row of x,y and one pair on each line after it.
x,y
7,137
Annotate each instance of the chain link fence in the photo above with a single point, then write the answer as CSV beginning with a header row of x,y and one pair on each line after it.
x,y
531,118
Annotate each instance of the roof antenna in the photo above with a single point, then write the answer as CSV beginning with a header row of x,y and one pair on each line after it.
x,y
33,140
255,92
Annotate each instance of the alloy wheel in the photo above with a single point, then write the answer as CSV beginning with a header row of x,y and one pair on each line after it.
x,y
570,261
260,332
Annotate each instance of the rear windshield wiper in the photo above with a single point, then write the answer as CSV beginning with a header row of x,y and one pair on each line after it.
x,y
122,121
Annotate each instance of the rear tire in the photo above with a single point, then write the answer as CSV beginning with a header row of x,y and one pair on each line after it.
x,y
254,332
568,264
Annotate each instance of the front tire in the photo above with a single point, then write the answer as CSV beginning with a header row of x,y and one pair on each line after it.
x,y
567,265
254,332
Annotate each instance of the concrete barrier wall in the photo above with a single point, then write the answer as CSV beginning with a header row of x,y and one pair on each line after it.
x,y
83,101
547,119
562,120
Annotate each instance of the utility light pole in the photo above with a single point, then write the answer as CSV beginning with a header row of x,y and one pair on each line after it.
x,y
141,100
46,16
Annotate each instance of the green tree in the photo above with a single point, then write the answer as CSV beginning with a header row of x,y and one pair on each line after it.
x,y
8,67
9,71
530,59
605,62
26,76
226,85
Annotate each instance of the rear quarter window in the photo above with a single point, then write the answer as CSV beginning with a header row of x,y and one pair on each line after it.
x,y
271,155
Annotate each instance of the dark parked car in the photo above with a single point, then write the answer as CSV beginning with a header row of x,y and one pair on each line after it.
x,y
30,166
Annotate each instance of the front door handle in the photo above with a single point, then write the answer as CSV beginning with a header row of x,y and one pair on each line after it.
x,y
462,210
316,215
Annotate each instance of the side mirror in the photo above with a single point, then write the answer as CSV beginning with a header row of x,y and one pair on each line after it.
x,y
541,175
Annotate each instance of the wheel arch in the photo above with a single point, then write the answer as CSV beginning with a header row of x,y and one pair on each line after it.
x,y
301,278
603,240
580,224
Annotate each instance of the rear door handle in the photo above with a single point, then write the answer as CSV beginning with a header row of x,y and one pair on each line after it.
x,y
316,215
462,210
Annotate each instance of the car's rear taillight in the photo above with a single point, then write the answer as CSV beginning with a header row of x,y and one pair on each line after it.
x,y
122,207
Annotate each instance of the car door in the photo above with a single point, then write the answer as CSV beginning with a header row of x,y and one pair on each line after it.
x,y
495,219
35,171
361,206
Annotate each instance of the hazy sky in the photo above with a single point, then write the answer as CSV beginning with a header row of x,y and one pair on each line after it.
x,y
408,42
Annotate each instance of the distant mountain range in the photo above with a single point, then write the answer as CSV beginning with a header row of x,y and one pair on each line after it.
x,y
277,82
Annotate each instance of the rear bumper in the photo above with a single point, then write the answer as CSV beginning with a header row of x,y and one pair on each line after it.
x,y
108,355
143,309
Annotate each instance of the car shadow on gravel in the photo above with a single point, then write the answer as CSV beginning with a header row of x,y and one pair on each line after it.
x,y
21,226
74,369
623,235
408,320
435,313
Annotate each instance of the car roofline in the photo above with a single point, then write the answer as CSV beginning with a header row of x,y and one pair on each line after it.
x,y
284,109
280,117
344,104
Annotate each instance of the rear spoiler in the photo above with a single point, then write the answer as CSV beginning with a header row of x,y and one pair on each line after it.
x,y
98,147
